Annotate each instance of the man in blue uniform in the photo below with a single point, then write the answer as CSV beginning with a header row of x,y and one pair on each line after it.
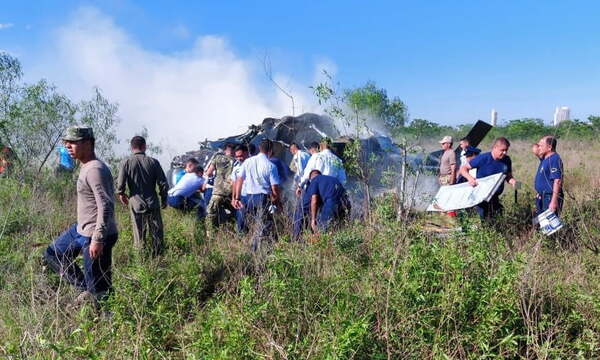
x,y
259,177
328,200
490,163
549,177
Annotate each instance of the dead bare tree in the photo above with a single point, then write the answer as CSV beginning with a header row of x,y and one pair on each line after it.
x,y
269,74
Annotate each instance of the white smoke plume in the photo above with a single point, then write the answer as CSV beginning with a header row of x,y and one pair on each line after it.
x,y
206,91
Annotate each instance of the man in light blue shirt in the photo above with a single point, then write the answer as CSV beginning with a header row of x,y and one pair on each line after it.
x,y
299,161
184,195
258,175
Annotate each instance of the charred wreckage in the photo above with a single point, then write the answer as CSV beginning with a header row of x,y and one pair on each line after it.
x,y
384,154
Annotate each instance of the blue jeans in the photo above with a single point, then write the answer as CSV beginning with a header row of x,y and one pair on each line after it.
x,y
240,223
96,276
176,202
542,202
185,203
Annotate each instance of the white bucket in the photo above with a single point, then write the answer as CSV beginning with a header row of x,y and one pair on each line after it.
x,y
549,222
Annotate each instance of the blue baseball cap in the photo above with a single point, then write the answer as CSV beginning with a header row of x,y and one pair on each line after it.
x,y
472,150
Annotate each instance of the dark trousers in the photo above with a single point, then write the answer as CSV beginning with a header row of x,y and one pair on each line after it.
x,y
542,202
96,276
176,202
148,225
489,209
332,212
257,216
301,219
182,203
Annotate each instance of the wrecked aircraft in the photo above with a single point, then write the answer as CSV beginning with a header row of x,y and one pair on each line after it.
x,y
383,156
302,130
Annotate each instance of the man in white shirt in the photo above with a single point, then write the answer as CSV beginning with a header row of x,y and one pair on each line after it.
x,y
184,195
326,162
240,154
299,161
260,179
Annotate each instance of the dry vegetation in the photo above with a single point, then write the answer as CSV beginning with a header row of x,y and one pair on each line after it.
x,y
384,290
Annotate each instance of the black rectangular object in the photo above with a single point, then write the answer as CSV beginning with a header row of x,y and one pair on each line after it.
x,y
478,132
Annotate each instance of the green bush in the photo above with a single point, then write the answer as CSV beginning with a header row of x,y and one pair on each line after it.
x,y
369,290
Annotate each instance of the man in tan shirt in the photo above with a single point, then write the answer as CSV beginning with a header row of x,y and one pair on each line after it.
x,y
447,162
95,233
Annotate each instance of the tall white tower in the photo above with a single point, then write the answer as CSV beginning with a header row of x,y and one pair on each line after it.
x,y
561,114
494,117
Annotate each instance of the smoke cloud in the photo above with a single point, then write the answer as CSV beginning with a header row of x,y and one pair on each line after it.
x,y
206,91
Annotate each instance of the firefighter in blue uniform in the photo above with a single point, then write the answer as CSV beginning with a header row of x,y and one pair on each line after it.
x,y
328,201
549,177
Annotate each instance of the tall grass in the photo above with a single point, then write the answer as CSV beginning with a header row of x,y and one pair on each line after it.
x,y
385,290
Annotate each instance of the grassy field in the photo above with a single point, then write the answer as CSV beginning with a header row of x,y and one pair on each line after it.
x,y
375,289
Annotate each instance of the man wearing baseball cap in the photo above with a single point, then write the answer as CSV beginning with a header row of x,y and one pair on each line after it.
x,y
447,162
95,233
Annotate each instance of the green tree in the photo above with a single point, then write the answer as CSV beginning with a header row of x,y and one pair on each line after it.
x,y
10,75
36,122
422,128
33,117
525,128
373,102
595,122
575,129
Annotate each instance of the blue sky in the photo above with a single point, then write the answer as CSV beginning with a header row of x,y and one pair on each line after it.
x,y
450,61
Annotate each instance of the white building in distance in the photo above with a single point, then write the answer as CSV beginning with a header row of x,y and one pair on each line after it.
x,y
561,114
494,117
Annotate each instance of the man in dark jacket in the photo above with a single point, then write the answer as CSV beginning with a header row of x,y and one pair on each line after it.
x,y
328,201
142,174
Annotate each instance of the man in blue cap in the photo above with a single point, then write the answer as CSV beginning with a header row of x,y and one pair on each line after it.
x,y
95,232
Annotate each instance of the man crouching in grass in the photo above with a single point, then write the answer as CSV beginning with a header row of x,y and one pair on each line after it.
x,y
95,233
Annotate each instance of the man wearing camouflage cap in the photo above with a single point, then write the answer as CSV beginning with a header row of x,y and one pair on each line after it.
x,y
220,166
95,233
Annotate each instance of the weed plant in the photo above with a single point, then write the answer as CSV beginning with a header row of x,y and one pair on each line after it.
x,y
380,289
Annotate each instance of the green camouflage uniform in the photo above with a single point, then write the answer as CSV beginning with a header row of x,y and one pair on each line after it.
x,y
221,195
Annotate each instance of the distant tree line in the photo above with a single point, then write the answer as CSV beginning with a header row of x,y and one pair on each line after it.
x,y
372,104
525,129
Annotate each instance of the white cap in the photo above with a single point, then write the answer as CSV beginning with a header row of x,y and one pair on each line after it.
x,y
446,139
